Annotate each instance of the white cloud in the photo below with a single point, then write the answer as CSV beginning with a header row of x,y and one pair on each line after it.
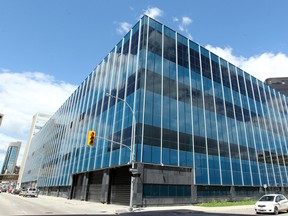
x,y
226,53
4,139
153,12
260,66
186,21
123,28
175,19
267,65
183,26
22,95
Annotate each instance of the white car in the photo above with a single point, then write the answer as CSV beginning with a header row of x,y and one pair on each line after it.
x,y
30,192
271,203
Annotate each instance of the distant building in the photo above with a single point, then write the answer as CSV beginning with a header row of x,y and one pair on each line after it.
x,y
278,83
1,118
38,121
11,158
17,169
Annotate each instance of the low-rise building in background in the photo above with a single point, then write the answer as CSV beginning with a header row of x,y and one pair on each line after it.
x,y
278,83
38,121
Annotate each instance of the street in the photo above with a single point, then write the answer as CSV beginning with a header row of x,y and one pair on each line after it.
x,y
44,205
47,205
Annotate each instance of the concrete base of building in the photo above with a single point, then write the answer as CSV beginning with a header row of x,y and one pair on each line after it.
x,y
154,185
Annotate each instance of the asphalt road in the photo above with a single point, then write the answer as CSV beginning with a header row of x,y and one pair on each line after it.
x,y
43,205
46,205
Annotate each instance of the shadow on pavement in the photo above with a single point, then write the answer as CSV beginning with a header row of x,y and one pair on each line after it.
x,y
180,212
177,212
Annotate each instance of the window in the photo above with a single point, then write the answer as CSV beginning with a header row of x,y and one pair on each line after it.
x,y
82,116
157,190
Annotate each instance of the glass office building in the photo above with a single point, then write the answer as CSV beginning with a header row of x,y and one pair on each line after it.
x,y
11,157
204,128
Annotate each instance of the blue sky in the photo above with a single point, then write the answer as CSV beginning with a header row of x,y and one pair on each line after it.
x,y
47,48
68,38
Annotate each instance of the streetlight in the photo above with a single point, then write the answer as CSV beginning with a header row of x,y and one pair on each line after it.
x,y
131,149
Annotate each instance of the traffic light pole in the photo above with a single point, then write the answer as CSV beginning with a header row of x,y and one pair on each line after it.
x,y
121,144
131,149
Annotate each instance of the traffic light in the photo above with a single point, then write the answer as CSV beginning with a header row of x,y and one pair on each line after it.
x,y
1,117
91,138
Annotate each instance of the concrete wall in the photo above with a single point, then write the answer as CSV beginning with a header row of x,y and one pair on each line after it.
x,y
157,174
153,174
167,175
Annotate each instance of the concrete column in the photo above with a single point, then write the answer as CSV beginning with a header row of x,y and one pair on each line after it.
x,y
105,187
193,188
261,190
232,193
84,186
70,192
70,189
138,186
194,198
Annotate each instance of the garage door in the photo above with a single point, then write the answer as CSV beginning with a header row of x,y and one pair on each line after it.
x,y
94,186
120,186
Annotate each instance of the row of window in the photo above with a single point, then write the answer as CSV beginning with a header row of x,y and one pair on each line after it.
x,y
152,136
166,191
153,84
158,190
227,74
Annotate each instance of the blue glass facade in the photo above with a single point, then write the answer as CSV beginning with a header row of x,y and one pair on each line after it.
x,y
193,110
11,158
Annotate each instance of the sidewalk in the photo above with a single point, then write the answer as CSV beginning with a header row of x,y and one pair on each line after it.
x,y
78,206
245,210
86,207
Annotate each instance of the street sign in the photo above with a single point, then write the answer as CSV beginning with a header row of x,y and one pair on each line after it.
x,y
133,170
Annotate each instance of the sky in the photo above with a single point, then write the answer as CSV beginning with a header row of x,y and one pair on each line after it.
x,y
48,47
